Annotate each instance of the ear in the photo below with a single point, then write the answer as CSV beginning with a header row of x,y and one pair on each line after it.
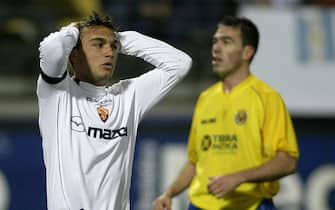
x,y
248,52
73,55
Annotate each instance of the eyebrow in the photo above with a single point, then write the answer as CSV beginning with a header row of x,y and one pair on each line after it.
x,y
223,37
100,39
97,39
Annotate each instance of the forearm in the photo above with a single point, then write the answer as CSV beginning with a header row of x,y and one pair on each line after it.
x,y
281,165
158,53
55,50
183,180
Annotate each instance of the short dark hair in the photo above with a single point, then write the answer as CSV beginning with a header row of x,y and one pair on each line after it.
x,y
249,31
96,20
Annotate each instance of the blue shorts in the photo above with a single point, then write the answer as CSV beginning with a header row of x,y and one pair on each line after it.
x,y
267,204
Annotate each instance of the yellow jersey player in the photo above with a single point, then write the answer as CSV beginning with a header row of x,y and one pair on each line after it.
x,y
242,139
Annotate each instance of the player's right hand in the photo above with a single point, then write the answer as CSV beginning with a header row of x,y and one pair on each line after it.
x,y
163,202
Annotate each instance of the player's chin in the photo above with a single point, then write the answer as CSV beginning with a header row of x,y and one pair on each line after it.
x,y
103,78
107,77
106,73
219,72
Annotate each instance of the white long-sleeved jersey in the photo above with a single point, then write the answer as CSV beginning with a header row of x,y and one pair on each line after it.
x,y
88,132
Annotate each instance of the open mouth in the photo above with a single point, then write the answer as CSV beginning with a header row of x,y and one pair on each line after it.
x,y
108,65
216,60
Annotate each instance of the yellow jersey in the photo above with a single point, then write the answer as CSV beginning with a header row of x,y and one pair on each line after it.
x,y
233,132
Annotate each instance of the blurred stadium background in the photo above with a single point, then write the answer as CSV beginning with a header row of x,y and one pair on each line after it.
x,y
296,56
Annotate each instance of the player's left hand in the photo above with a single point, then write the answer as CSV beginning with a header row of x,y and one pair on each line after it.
x,y
220,186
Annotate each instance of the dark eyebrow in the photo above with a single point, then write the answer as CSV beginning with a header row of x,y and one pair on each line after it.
x,y
103,40
223,37
97,39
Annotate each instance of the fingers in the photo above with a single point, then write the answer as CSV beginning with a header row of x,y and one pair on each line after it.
x,y
216,187
220,194
73,24
162,204
161,207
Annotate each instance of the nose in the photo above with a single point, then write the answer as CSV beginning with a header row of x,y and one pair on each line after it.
x,y
109,51
216,48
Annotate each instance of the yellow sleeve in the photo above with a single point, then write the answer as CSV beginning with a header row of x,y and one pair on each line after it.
x,y
278,131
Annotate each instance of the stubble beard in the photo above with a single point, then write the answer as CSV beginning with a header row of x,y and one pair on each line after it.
x,y
223,72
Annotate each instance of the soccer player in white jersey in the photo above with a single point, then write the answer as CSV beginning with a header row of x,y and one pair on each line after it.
x,y
89,125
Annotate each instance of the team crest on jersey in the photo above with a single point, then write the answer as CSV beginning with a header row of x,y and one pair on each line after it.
x,y
206,143
103,113
241,117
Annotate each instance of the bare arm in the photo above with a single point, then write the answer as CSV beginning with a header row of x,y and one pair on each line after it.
x,y
163,202
281,165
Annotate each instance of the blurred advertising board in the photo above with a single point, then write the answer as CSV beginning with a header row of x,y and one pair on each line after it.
x,y
160,153
296,56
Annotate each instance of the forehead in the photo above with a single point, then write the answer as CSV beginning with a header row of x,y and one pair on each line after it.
x,y
98,31
227,31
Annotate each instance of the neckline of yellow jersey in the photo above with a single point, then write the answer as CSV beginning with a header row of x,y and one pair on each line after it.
x,y
238,88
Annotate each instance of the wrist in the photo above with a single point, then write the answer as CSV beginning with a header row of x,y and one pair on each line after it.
x,y
168,194
242,178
